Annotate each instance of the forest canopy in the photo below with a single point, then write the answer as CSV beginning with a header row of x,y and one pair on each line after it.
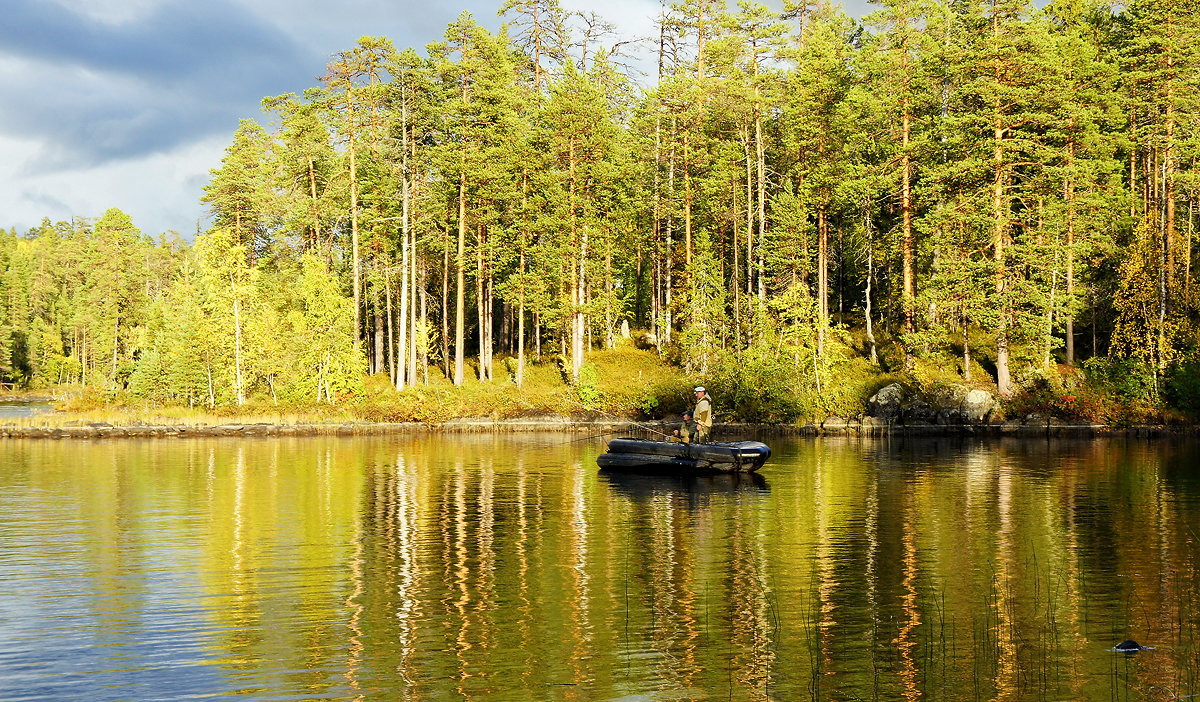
x,y
1000,191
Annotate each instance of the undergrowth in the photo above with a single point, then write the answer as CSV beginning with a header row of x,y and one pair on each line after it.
x,y
632,383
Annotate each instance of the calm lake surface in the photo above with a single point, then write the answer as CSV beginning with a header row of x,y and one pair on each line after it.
x,y
14,409
445,568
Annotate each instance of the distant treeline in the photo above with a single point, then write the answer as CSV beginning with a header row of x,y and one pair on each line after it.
x,y
951,181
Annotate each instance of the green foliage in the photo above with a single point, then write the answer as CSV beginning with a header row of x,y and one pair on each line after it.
x,y
589,394
1127,380
6,353
758,389
1181,385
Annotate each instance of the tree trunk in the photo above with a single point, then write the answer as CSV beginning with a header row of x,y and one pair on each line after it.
x,y
656,304
867,292
521,325
316,210
761,163
906,246
412,317
577,273
687,214
402,377
822,278
1050,317
446,311
1003,379
999,220
354,245
1168,168
379,333
609,341
460,279
1069,196
424,327
237,344
393,369
490,318
669,260
481,303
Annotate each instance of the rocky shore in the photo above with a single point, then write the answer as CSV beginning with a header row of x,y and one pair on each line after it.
x,y
966,412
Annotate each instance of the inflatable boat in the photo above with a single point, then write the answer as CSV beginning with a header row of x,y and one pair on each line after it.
x,y
644,455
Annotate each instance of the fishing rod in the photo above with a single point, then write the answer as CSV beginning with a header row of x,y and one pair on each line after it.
x,y
644,427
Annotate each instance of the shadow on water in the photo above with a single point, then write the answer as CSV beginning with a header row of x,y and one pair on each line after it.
x,y
643,487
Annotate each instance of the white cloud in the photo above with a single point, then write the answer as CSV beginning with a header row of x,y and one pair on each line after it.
x,y
160,191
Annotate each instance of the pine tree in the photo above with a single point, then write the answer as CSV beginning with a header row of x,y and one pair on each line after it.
x,y
241,192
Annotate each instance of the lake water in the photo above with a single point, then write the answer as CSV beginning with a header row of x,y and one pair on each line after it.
x,y
447,568
14,409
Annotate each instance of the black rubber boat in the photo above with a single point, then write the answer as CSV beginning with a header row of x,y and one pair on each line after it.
x,y
643,455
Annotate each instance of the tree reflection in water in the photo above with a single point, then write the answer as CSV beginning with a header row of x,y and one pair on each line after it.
x,y
508,568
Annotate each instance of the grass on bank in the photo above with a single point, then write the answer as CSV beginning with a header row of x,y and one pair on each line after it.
x,y
640,384
624,382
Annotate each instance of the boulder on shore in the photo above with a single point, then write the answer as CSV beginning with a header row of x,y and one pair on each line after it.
x,y
886,404
977,405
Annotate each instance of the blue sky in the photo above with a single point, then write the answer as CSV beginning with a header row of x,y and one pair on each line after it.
x,y
129,103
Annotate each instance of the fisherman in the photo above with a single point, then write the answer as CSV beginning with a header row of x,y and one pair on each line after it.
x,y
703,415
687,430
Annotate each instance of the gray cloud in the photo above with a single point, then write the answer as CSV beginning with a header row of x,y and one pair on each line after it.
x,y
95,92
50,202
173,40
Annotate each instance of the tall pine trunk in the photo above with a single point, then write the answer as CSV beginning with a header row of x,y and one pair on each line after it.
x,y
999,221
481,303
460,279
402,377
1069,196
354,245
906,247
1003,378
822,278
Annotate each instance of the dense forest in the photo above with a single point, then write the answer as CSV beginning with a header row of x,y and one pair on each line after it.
x,y
789,199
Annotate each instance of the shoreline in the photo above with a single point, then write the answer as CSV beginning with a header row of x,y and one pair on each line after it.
x,y
869,427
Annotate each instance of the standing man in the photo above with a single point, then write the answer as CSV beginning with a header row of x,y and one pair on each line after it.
x,y
703,415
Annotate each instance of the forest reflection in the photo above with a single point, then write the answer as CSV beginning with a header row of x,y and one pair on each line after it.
x,y
481,568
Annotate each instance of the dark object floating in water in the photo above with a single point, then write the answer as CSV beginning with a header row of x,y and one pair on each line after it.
x,y
1129,646
643,455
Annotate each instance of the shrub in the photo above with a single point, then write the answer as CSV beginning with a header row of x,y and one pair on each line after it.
x,y
1181,385
1124,379
757,389
586,387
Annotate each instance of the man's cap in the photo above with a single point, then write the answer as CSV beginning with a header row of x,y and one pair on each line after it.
x,y
699,388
